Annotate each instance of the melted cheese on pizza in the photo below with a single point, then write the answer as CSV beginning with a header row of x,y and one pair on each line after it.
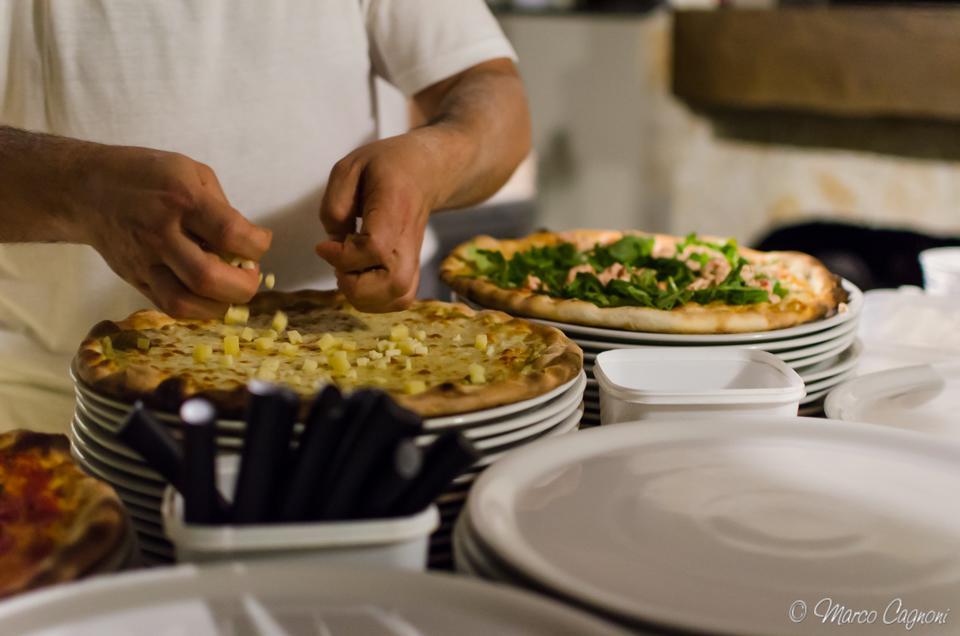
x,y
307,346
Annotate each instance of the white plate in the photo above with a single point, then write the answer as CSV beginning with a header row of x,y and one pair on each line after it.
x,y
453,421
839,348
491,444
842,363
922,398
112,420
114,477
566,426
277,597
722,526
562,402
837,343
591,347
90,448
853,309
829,383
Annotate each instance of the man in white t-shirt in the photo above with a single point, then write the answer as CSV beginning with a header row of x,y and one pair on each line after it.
x,y
189,129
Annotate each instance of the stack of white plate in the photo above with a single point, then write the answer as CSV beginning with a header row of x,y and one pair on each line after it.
x,y
494,431
728,526
287,597
824,352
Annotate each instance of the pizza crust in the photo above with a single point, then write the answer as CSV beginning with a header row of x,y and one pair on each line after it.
x,y
822,299
96,530
560,362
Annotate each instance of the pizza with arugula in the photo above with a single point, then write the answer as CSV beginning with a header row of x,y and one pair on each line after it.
x,y
644,282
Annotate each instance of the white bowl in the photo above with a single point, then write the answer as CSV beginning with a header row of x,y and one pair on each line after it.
x,y
669,383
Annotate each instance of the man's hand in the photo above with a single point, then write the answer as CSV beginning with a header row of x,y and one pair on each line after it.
x,y
161,221
391,186
477,130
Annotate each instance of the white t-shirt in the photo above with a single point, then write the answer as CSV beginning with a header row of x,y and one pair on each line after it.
x,y
269,94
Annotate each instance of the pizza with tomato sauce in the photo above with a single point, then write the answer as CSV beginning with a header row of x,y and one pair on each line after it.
x,y
56,522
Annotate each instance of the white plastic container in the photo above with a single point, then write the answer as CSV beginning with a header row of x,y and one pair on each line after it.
x,y
396,542
941,270
701,382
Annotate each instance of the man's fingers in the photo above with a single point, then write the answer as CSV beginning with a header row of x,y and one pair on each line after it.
x,y
226,231
171,296
356,254
205,274
341,203
379,290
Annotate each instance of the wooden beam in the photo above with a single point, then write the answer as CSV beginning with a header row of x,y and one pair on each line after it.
x,y
858,62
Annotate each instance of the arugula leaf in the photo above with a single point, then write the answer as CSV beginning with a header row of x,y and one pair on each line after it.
x,y
654,282
780,290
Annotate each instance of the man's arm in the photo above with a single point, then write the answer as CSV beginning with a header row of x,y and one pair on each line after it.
x,y
159,219
477,132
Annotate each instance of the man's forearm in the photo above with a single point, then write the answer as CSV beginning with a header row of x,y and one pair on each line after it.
x,y
37,193
479,124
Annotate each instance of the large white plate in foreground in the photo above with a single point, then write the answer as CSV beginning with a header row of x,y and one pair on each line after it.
x,y
921,398
723,526
280,598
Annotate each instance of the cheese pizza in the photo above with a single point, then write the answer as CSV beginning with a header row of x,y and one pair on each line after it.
x,y
434,358
644,282
56,523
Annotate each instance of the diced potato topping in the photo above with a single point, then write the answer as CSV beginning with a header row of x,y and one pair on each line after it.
x,y
477,374
328,342
289,349
107,346
407,346
310,365
383,345
280,321
380,364
363,361
202,352
143,344
480,342
264,344
391,353
399,332
227,360
231,345
421,350
412,387
269,281
294,336
421,335
490,351
348,345
238,315
374,355
339,362
248,334
248,264
351,374
271,333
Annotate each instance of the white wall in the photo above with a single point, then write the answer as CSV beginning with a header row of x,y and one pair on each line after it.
x,y
617,150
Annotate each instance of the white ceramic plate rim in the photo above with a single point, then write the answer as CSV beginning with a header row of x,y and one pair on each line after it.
x,y
61,605
854,305
775,346
500,484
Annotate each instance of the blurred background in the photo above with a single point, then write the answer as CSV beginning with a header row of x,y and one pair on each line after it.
x,y
830,128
